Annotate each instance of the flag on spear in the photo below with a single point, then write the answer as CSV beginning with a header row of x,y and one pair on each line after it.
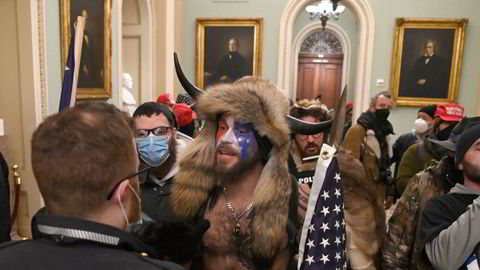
x,y
70,76
322,243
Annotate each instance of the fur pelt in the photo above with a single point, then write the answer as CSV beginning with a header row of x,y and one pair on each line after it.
x,y
249,100
363,214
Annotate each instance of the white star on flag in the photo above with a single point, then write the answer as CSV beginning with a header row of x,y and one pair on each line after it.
x,y
337,209
343,222
337,256
311,228
337,192
337,177
325,242
325,195
337,241
325,211
310,243
310,260
324,259
67,68
337,224
324,227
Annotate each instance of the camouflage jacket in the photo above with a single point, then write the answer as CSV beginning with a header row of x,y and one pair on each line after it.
x,y
401,247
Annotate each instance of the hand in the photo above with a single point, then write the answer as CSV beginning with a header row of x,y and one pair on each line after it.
x,y
388,202
175,240
421,81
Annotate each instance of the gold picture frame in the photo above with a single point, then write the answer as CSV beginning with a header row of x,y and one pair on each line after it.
x,y
94,80
216,60
426,60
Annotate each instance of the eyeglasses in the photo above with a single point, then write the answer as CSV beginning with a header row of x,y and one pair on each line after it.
x,y
158,131
303,137
110,194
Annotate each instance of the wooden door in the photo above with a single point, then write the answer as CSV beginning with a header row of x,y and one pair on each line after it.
x,y
320,74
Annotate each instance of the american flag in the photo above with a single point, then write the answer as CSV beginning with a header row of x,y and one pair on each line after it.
x,y
70,76
66,96
322,244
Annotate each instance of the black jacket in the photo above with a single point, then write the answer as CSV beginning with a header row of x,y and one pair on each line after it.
x,y
68,243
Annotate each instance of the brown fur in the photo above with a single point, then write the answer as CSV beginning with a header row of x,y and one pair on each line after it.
x,y
363,214
249,100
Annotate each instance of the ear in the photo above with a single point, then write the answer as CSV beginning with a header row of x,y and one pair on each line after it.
x,y
120,193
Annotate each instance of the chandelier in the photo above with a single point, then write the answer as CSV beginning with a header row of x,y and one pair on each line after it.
x,y
325,10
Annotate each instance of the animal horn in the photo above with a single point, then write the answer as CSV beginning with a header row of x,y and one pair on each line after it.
x,y
191,89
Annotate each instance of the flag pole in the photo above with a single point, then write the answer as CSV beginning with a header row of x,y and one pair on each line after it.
x,y
79,30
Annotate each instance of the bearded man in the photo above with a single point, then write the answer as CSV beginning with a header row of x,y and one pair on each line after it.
x,y
235,174
306,148
449,224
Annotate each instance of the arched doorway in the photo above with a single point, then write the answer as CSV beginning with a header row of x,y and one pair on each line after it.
x,y
366,28
320,68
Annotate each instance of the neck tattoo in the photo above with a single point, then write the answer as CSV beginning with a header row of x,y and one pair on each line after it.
x,y
237,217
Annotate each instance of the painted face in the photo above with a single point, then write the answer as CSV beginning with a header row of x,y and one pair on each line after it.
x,y
235,141
309,145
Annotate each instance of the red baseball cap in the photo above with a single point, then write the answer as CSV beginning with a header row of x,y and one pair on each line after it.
x,y
184,114
450,112
165,99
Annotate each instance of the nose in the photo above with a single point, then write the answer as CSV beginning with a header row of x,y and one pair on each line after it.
x,y
310,139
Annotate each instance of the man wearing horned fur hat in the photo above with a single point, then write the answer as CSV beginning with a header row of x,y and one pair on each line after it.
x,y
235,174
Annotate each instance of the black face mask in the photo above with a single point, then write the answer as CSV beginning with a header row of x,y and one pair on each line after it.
x,y
453,174
382,114
443,134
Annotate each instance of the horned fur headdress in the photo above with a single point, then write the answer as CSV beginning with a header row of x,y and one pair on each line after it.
x,y
250,100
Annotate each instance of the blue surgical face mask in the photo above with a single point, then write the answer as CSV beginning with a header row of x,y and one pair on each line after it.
x,y
153,149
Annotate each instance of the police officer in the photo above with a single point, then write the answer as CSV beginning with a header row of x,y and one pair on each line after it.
x,y
85,163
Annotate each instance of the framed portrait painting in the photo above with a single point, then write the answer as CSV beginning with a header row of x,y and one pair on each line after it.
x,y
228,49
94,76
426,62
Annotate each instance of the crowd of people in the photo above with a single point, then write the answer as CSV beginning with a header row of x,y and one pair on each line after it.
x,y
230,189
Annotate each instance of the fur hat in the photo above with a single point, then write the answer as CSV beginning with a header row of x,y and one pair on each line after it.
x,y
308,107
251,100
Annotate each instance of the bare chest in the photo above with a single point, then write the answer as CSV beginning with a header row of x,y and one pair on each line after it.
x,y
227,243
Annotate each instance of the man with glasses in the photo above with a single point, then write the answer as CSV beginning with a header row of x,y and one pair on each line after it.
x,y
85,164
157,143
306,148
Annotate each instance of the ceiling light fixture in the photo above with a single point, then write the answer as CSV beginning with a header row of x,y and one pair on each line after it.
x,y
325,10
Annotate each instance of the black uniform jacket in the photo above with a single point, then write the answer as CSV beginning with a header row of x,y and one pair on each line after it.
x,y
68,243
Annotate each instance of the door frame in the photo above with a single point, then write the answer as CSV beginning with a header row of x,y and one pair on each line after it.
x,y
366,32
303,34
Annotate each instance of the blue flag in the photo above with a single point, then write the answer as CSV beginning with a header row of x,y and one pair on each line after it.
x,y
322,245
67,87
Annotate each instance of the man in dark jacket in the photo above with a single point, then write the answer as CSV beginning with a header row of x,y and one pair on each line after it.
x,y
158,143
425,153
449,225
85,165
233,66
402,247
423,126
